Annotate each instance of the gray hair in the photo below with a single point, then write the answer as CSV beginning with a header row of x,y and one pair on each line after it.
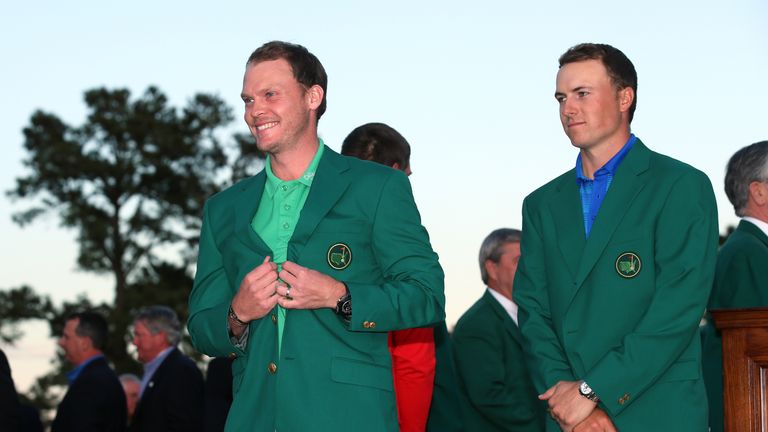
x,y
747,165
161,319
492,245
129,377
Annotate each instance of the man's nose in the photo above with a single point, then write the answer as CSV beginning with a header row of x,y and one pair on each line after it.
x,y
254,110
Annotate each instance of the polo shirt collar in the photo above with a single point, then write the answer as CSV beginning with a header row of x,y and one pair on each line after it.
x,y
273,182
610,167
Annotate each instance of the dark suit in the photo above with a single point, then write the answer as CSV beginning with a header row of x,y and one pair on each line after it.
x,y
173,398
492,372
621,308
10,409
446,410
740,282
95,401
218,393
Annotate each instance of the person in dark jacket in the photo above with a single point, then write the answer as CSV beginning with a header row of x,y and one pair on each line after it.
x,y
172,385
95,400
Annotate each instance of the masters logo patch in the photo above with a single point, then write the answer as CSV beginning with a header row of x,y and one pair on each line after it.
x,y
628,265
339,256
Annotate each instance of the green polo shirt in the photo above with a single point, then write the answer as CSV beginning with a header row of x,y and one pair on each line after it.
x,y
278,214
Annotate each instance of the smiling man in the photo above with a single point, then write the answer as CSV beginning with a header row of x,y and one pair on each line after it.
x,y
618,256
304,268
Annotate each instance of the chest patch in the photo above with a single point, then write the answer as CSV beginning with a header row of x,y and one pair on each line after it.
x,y
628,265
339,256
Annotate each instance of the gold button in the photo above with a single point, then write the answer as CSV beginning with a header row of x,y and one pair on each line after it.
x,y
274,319
372,325
272,368
366,324
624,399
232,356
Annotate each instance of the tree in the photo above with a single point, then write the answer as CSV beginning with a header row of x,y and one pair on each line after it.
x,y
131,181
19,304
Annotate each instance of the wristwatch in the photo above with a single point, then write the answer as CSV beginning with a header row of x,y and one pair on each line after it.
x,y
233,316
344,305
586,391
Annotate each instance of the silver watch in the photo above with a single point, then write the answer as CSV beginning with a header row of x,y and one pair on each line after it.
x,y
586,391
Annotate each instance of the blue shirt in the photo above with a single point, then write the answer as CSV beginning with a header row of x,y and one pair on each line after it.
x,y
593,191
151,366
74,373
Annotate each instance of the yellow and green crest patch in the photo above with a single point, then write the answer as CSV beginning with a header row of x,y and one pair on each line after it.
x,y
628,265
339,256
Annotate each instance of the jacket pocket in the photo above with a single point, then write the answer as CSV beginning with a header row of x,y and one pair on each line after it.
x,y
360,372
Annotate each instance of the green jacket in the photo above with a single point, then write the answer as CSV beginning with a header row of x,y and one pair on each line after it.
x,y
492,372
330,375
740,282
621,309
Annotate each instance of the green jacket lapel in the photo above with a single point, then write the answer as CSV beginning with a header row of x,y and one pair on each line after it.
x,y
566,208
623,190
245,209
328,186
502,314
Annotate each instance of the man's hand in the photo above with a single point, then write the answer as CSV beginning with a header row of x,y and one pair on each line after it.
x,y
598,421
566,405
256,296
307,288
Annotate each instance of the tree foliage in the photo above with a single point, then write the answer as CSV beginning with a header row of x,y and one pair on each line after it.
x,y
131,181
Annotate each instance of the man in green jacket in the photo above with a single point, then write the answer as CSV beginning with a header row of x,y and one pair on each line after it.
x,y
618,258
488,348
304,268
740,277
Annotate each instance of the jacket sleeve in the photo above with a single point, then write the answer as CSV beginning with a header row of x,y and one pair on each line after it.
x,y
544,353
685,241
413,370
210,298
412,294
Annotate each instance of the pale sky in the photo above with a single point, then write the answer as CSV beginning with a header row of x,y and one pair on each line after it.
x,y
469,84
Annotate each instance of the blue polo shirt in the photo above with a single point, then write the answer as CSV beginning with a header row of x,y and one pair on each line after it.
x,y
593,191
74,373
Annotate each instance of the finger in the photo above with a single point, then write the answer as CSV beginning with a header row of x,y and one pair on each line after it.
x,y
259,271
281,288
288,277
548,394
292,267
289,304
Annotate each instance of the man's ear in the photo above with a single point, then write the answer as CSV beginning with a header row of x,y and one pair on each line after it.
x,y
758,192
626,97
314,96
490,268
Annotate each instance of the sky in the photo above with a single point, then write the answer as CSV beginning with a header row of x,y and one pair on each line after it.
x,y
469,84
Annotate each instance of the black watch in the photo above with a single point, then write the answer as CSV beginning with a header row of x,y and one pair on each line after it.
x,y
344,305
233,316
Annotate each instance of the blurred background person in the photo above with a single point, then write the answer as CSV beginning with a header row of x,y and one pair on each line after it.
x,y
218,393
172,385
10,408
132,388
740,278
94,400
488,347
425,384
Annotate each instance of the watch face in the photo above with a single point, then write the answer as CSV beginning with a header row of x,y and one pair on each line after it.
x,y
584,389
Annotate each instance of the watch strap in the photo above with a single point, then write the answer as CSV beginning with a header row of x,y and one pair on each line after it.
x,y
233,316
